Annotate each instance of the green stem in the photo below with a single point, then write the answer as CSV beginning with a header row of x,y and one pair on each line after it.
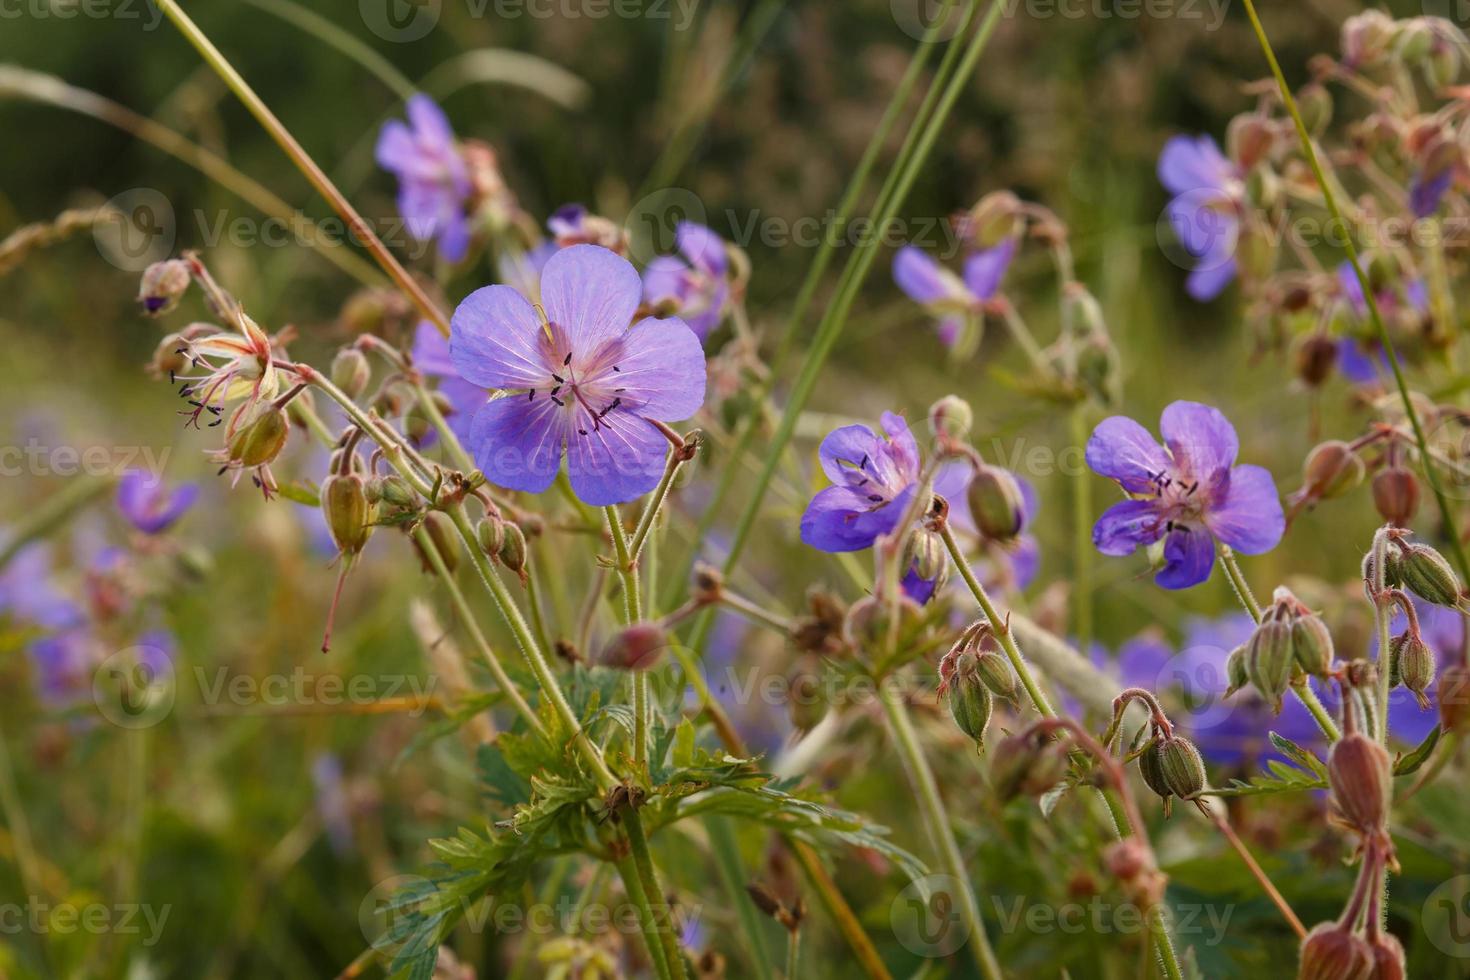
x,y
727,862
1330,199
1238,583
1163,945
643,860
632,613
1382,612
655,502
931,809
648,924
998,624
793,952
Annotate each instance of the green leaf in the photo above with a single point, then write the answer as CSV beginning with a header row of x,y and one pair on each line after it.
x,y
1302,757
1411,762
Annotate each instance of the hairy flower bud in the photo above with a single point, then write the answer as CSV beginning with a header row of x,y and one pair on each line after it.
x,y
512,552
348,513
1360,773
970,700
350,371
1248,139
1235,670
1411,663
994,218
995,673
638,647
1315,104
925,553
490,532
996,503
1182,767
1333,952
1151,768
1027,764
392,490
1331,469
1429,575
865,627
951,418
1454,698
1311,644
1366,38
1396,495
163,285
1269,658
1388,957
260,440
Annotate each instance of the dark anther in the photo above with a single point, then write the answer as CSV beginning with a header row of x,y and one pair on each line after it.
x,y
558,401
558,378
876,498
533,395
568,359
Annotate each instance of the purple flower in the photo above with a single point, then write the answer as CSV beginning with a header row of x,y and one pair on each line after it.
x,y
1364,362
523,269
149,505
63,663
950,299
1204,211
434,185
1426,190
27,594
431,356
1187,492
873,477
573,224
580,382
691,285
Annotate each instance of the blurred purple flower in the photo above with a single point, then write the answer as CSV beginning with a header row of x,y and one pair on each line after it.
x,y
949,298
1363,361
149,505
1187,492
691,285
27,593
1426,190
431,356
1204,211
522,270
434,185
584,383
63,663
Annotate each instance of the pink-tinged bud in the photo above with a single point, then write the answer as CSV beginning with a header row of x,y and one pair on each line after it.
x,y
1454,698
1126,859
996,503
1311,645
1429,575
1334,952
1331,469
1396,495
346,509
1313,358
970,700
1248,139
1411,663
163,285
638,647
1182,767
1360,773
350,371
994,218
260,440
1366,38
1269,658
1388,958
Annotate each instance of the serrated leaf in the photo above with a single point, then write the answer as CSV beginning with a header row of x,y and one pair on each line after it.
x,y
1302,757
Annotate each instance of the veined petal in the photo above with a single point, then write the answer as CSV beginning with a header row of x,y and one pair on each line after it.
x,y
660,369
1121,449
830,521
1250,518
591,293
618,459
517,442
843,450
1127,525
1189,554
496,340
902,447
1200,438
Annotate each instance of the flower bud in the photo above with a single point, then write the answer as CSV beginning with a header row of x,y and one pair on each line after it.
x,y
490,532
1182,767
865,627
169,357
1311,645
970,700
436,525
1366,38
1393,570
1442,67
1314,103
1027,764
512,552
1314,357
1360,773
1411,663
1126,859
1269,658
951,418
1333,952
1396,495
260,440
638,647
925,553
1429,575
392,490
1248,139
994,218
996,503
1151,768
1235,670
163,285
345,506
1412,40
1331,469
1454,698
995,673
350,371
1388,957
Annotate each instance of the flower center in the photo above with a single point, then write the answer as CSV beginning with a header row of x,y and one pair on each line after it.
x,y
594,396
1181,499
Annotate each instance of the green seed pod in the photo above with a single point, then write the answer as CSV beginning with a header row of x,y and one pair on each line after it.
x,y
925,553
994,218
1235,670
1334,952
490,532
996,503
1411,663
513,549
1315,105
393,490
1182,766
1027,764
1311,645
1429,575
1151,767
995,673
346,508
350,371
1360,774
1442,67
951,418
970,701
260,440
1269,659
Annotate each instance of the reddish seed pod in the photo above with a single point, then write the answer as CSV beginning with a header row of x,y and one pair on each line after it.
x,y
1396,495
1314,358
1331,469
1360,774
1388,958
1334,952
638,647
